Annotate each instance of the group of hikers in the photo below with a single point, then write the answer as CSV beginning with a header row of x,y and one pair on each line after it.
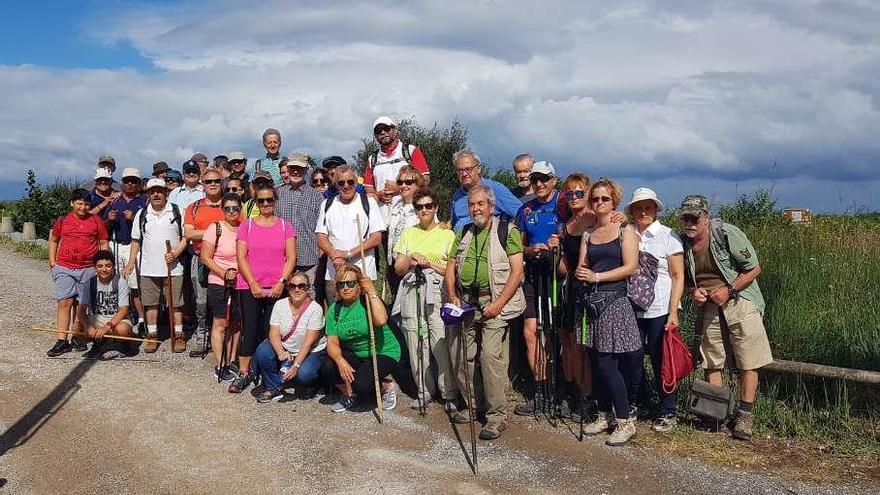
x,y
272,268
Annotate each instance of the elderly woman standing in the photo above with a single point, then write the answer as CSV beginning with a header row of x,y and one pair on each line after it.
x,y
422,252
665,245
608,256
349,366
401,214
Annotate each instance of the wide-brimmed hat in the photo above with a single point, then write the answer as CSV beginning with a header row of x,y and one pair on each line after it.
x,y
131,172
160,167
642,194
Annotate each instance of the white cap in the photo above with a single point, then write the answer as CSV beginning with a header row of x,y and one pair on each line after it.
x,y
641,194
155,182
543,167
384,120
131,172
236,155
103,173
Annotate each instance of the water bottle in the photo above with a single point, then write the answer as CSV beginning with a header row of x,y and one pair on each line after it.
x,y
285,366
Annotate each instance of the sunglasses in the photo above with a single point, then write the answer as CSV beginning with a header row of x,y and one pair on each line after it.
x,y
300,286
424,206
343,183
233,189
265,201
540,178
320,182
209,182
579,194
131,181
381,129
408,182
232,209
103,181
351,284
689,219
600,199
191,173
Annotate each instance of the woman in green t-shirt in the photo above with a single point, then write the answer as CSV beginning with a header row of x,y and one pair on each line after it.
x,y
350,367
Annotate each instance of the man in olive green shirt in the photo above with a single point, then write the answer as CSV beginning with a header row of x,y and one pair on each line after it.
x,y
721,273
485,270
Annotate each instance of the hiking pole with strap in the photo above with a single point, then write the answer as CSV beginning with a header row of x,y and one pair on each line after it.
x,y
170,298
539,344
420,339
472,412
554,333
370,325
223,365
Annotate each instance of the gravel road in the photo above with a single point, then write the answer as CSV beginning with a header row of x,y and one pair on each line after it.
x,y
161,424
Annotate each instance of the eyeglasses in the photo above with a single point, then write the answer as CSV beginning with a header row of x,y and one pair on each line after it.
x,y
265,201
600,199
540,178
131,181
233,189
424,206
689,218
343,183
209,182
320,182
381,129
579,194
351,284
465,170
232,209
299,286
408,182
103,181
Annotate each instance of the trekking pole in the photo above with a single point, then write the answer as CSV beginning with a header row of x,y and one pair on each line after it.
x,y
83,334
370,327
170,297
223,365
554,333
539,344
472,413
420,339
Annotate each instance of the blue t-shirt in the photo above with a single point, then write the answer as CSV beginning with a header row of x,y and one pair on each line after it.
x,y
332,191
538,221
506,204
122,227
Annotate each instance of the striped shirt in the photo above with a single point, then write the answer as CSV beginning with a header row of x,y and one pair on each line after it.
x,y
300,207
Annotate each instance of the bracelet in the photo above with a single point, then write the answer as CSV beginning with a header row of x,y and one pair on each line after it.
x,y
731,292
297,365
598,277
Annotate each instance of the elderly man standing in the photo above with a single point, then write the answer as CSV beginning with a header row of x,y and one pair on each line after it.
x,y
469,170
337,229
522,168
102,194
721,271
300,205
191,190
120,218
272,161
380,172
237,162
497,298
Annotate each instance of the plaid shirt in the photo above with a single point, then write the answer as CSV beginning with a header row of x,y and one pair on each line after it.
x,y
300,207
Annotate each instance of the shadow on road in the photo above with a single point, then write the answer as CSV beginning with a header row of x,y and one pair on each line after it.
x,y
29,424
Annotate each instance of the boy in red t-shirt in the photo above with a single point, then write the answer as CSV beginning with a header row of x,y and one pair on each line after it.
x,y
74,240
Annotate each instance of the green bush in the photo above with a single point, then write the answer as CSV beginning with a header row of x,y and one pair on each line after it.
x,y
42,205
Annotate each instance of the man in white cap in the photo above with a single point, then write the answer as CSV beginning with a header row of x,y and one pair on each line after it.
x,y
120,219
299,204
106,162
102,194
159,222
380,172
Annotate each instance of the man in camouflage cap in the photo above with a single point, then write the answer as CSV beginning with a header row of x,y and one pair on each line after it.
x,y
721,268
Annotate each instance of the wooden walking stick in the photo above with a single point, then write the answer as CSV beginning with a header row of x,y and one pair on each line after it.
x,y
170,298
83,334
370,325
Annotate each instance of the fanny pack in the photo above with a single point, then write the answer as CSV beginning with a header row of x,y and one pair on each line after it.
x,y
596,301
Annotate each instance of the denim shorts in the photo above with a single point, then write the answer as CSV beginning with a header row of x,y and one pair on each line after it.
x,y
69,281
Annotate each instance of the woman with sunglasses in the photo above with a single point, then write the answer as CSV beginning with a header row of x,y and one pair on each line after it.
x,y
401,214
266,252
320,180
220,257
609,254
237,187
292,353
349,366
425,248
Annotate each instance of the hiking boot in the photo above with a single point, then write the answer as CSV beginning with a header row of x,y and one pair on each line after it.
x,y
564,409
529,407
270,395
623,433
200,344
96,350
389,398
461,417
78,345
587,408
150,347
600,425
664,423
179,344
227,376
742,427
344,403
416,403
449,406
492,430
60,347
240,384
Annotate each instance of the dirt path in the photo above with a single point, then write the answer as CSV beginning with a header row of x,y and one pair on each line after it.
x,y
160,424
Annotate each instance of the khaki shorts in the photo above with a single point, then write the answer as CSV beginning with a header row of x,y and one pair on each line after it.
x,y
96,321
746,336
151,287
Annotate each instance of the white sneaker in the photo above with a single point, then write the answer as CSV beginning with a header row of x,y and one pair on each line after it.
x,y
625,431
389,398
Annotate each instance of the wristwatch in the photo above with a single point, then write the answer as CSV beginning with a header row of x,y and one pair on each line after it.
x,y
731,292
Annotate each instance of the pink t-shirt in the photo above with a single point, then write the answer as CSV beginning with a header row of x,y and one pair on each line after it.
x,y
265,251
224,253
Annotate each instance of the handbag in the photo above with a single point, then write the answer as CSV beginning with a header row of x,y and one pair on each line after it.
x,y
203,270
677,361
640,285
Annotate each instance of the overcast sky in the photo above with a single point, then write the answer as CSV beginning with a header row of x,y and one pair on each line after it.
x,y
712,97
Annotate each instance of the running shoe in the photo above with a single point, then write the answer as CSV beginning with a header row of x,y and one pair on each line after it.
x,y
78,345
389,398
96,350
111,351
228,374
240,384
664,423
344,403
270,395
60,347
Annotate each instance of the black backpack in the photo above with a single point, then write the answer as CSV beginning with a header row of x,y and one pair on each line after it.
x,y
365,204
406,156
142,221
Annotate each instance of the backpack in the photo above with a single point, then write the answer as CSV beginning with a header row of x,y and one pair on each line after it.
x,y
406,156
365,204
93,290
142,221
503,230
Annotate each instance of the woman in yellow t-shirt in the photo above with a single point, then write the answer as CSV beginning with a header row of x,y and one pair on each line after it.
x,y
422,252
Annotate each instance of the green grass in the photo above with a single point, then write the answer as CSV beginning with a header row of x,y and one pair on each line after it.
x,y
30,249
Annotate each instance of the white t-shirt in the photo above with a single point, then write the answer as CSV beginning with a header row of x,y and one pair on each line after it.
x,y
386,169
340,225
660,241
312,320
160,227
107,302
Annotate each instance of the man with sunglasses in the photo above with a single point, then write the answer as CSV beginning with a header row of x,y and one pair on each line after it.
x,y
539,223
102,194
522,168
330,164
237,163
337,229
191,190
201,160
721,271
120,217
299,204
382,167
469,170
197,217
108,163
